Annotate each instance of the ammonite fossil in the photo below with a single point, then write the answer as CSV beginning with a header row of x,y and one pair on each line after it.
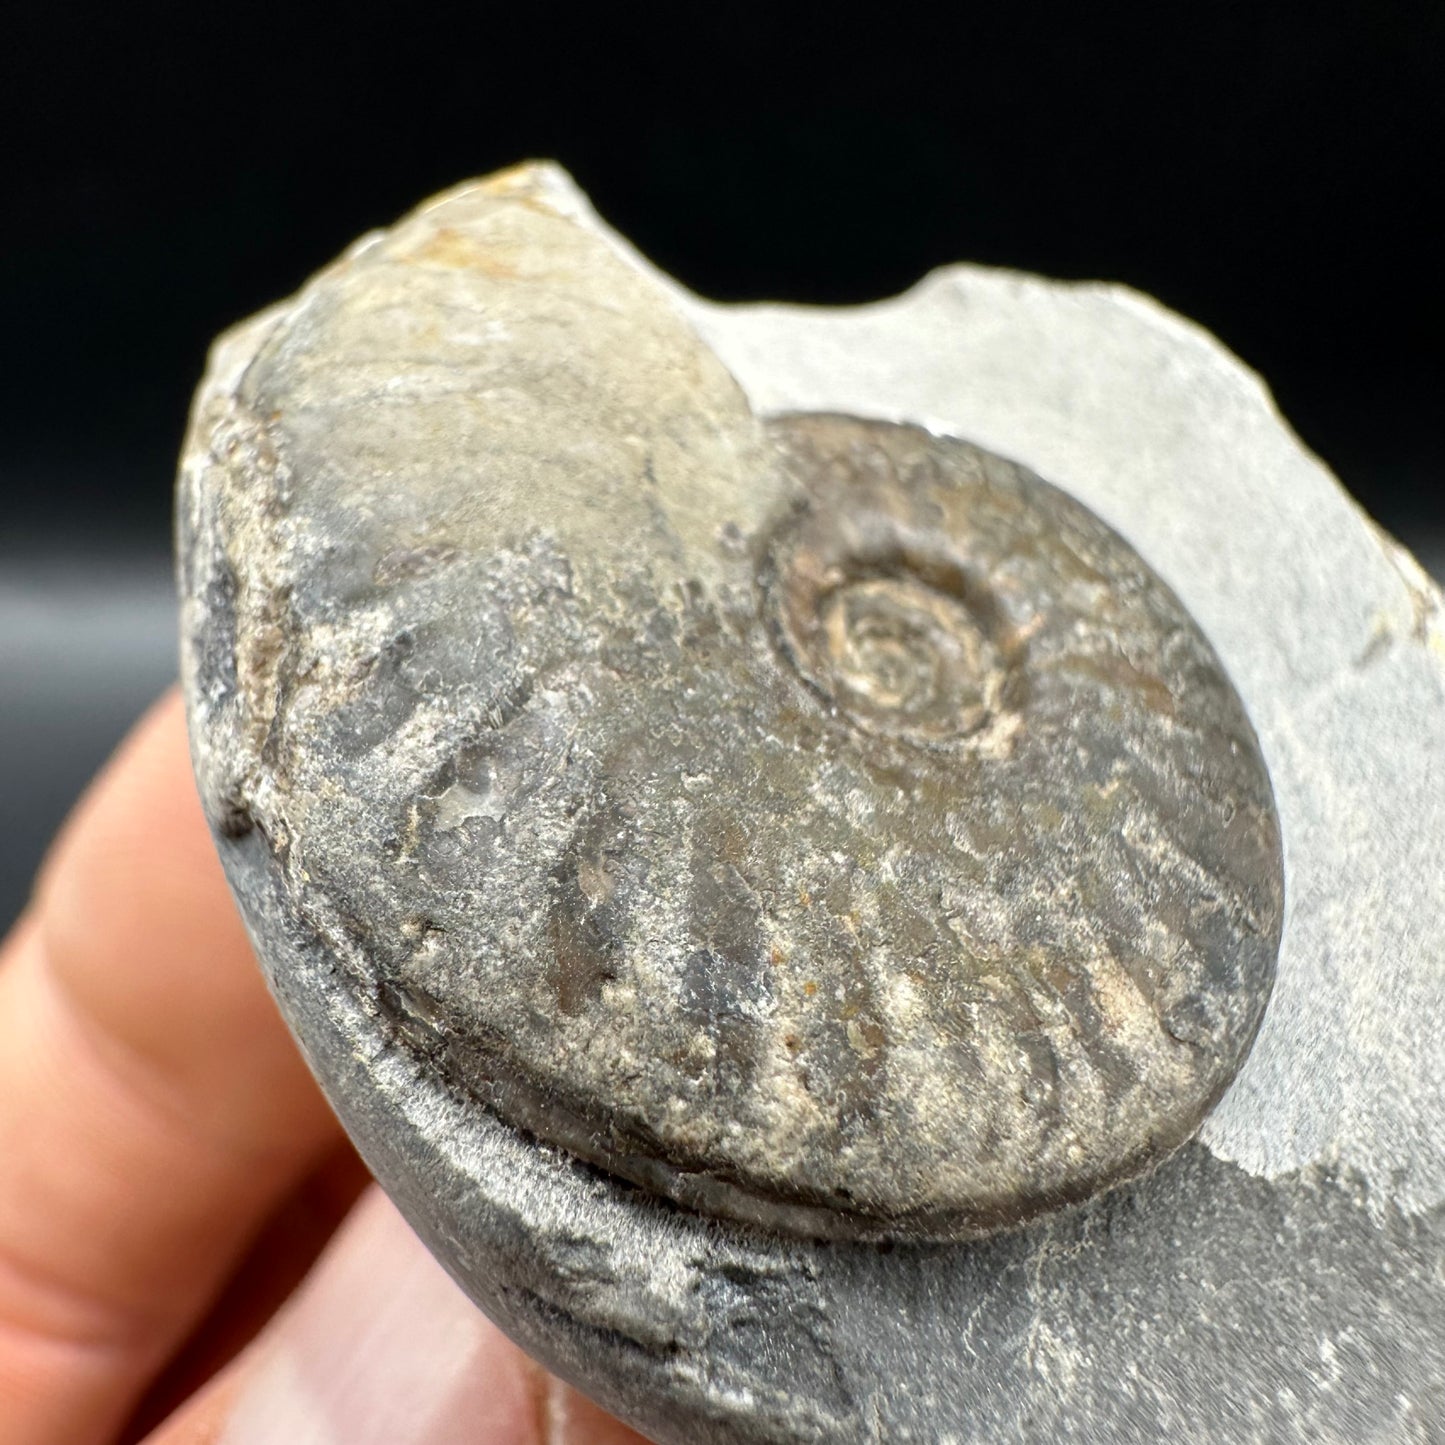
x,y
670,817
827,824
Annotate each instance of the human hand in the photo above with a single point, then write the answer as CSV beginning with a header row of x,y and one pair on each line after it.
x,y
171,1171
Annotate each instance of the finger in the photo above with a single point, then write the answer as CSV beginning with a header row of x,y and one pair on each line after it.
x,y
152,1107
381,1348
572,1419
277,1259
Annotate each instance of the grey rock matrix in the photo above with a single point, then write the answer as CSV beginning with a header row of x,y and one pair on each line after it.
x,y
744,858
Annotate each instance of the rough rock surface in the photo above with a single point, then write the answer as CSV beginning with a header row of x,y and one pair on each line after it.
x,y
1295,1293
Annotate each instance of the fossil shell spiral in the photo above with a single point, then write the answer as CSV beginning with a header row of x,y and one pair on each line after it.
x,y
828,825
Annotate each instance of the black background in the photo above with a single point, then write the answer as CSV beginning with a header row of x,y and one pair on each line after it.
x,y
1273,171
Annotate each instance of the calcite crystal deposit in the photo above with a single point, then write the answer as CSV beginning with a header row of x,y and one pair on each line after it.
x,y
759,871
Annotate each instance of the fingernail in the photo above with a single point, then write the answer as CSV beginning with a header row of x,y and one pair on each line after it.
x,y
381,1348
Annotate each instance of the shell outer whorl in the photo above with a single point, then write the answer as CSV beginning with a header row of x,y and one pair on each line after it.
x,y
825,824
956,863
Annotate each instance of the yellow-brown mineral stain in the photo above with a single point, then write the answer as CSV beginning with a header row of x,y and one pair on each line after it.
x,y
452,248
